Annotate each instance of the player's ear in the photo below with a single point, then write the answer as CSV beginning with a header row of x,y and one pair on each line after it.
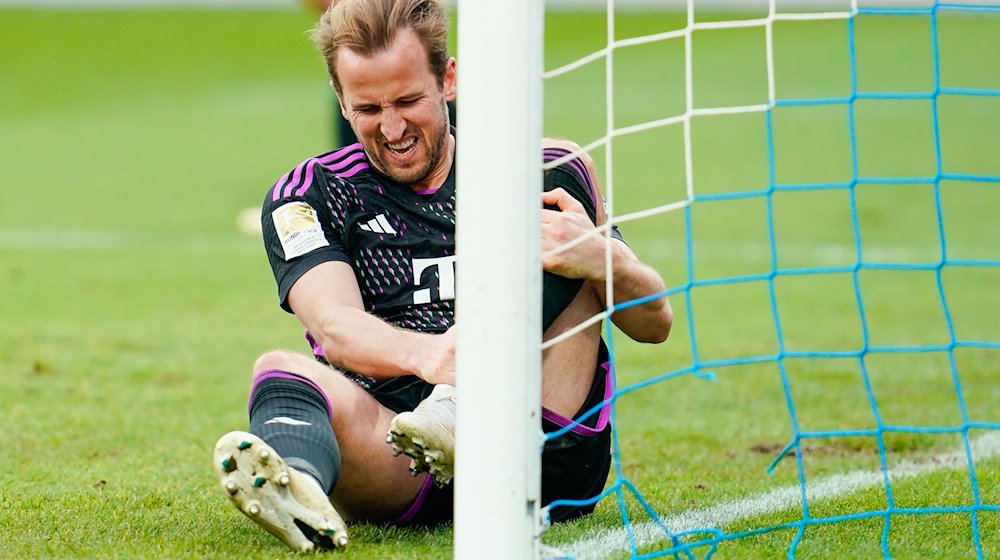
x,y
450,80
340,100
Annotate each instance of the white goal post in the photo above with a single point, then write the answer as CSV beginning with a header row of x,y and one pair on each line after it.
x,y
498,243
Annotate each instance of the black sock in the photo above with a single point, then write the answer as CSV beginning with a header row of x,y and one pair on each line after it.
x,y
292,415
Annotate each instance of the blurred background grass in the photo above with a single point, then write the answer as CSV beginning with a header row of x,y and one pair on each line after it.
x,y
133,309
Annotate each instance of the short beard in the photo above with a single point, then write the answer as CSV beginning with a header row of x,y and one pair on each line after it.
x,y
435,154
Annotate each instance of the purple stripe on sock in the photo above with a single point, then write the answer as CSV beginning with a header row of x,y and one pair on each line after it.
x,y
418,503
602,419
279,374
361,166
582,170
553,154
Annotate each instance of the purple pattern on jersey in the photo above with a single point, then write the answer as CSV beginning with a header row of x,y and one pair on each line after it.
x,y
347,201
444,209
301,178
336,160
345,162
381,231
379,269
436,316
355,195
352,171
552,154
602,419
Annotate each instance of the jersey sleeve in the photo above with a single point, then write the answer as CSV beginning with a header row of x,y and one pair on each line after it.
x,y
298,227
573,177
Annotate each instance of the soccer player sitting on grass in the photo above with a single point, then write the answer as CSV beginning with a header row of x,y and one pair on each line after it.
x,y
361,242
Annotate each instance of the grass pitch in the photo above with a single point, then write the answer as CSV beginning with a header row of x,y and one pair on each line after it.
x,y
132,308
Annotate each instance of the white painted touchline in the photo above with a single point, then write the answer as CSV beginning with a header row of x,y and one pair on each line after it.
x,y
613,541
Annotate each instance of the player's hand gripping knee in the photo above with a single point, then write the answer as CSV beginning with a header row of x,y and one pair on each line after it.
x,y
439,358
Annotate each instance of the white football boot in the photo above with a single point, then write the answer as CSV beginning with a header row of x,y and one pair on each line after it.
x,y
427,435
290,504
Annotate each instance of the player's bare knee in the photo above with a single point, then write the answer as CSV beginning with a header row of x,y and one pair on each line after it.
x,y
274,360
562,143
302,366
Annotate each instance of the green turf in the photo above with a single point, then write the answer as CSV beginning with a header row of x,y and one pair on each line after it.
x,y
132,309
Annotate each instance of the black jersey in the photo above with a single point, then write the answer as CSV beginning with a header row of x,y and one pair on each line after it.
x,y
400,243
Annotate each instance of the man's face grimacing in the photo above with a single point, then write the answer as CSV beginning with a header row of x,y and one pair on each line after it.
x,y
398,110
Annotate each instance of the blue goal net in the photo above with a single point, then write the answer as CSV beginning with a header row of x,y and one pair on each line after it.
x,y
874,295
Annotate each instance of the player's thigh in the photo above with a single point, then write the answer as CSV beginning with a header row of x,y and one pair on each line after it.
x,y
568,367
374,485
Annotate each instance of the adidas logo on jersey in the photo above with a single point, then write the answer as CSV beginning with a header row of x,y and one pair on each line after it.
x,y
378,224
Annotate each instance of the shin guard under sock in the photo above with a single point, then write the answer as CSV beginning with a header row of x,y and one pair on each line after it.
x,y
292,415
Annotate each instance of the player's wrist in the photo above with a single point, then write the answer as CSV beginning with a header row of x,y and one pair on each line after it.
x,y
426,356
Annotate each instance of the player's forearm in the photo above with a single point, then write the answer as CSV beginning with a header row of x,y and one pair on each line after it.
x,y
363,343
649,321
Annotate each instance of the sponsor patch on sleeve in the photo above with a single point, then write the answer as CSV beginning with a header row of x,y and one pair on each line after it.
x,y
298,229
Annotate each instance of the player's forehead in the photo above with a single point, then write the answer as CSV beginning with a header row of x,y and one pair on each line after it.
x,y
398,71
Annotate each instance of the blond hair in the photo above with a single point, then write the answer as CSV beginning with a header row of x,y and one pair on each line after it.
x,y
370,26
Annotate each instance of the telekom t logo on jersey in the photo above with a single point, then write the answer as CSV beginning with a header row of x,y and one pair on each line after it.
x,y
445,268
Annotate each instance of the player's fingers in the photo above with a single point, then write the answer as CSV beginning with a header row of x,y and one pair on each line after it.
x,y
561,199
549,216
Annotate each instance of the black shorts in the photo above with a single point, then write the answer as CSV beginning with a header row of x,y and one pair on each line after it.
x,y
575,465
398,394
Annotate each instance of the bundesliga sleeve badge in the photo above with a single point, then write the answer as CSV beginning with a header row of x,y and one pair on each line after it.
x,y
298,229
